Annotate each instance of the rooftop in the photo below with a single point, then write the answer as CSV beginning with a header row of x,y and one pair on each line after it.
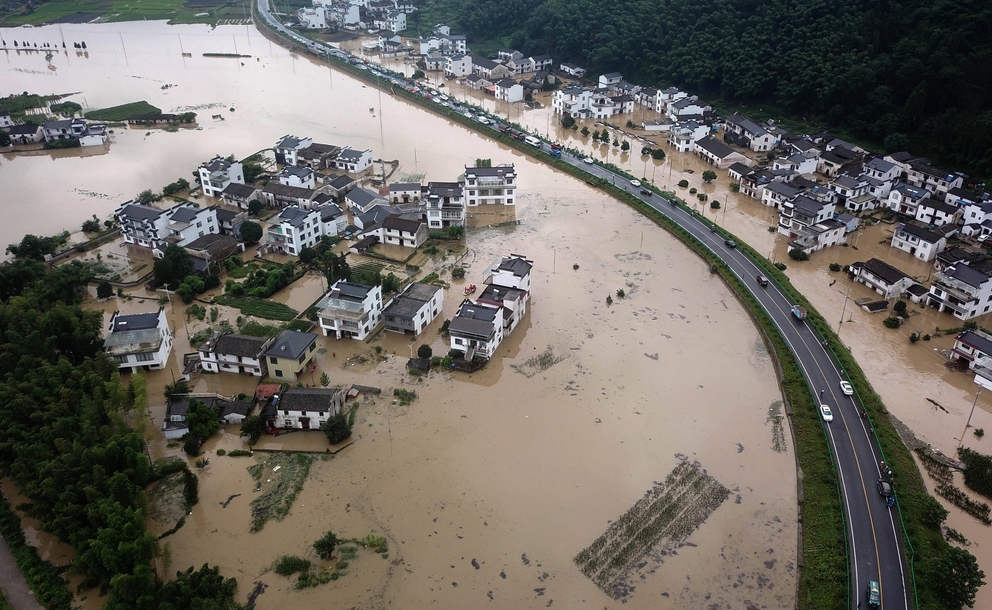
x,y
291,344
242,346
882,270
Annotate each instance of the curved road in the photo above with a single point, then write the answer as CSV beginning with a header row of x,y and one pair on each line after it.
x,y
873,533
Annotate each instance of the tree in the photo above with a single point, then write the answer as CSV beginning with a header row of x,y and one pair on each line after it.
x,y
35,248
458,273
418,74
201,420
954,577
483,162
176,388
567,121
92,225
324,380
255,207
424,351
325,545
173,267
657,154
584,131
900,307
390,283
709,175
595,135
625,146
4,138
104,290
252,170
336,428
146,197
307,254
683,183
251,232
735,187
252,428
895,142
798,254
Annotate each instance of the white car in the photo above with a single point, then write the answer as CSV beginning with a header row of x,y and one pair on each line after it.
x,y
587,160
827,414
636,182
846,388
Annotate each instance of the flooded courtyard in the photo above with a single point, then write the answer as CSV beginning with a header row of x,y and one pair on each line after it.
x,y
487,486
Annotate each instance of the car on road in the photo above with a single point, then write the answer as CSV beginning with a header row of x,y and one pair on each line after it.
x,y
762,280
846,388
730,243
587,160
635,182
874,594
646,192
884,488
827,414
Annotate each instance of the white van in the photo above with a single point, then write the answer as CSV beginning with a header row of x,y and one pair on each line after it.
x,y
533,141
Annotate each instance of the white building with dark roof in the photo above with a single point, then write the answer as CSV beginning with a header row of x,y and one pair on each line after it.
x,y
881,277
511,271
350,310
294,229
304,408
186,224
445,203
217,173
937,213
303,177
919,241
233,353
490,185
400,231
139,341
361,199
476,329
353,161
142,225
414,309
717,153
962,291
288,149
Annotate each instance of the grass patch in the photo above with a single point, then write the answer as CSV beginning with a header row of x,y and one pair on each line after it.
x,y
239,453
257,329
667,514
279,487
260,308
287,565
405,397
541,362
122,112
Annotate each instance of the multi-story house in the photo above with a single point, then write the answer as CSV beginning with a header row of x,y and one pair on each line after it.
x,y
881,277
405,192
846,187
717,153
924,175
801,213
457,66
333,220
187,223
288,149
937,213
303,177
139,341
904,198
919,241
512,300
276,195
510,271
290,354
687,106
294,229
141,225
756,137
975,216
353,161
961,290
445,203
509,90
489,69
974,347
361,199
232,353
476,329
404,232
218,173
67,129
879,168
350,310
572,101
239,195
304,408
775,194
312,18
414,309
572,70
490,185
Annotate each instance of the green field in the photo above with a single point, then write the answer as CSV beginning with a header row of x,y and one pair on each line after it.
x,y
122,112
174,11
260,308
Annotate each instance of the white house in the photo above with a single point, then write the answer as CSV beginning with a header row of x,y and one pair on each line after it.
x,y
922,174
362,199
656,125
445,204
512,300
489,69
881,277
974,347
687,106
26,134
288,149
937,213
756,137
95,134
304,408
333,220
573,101
510,271
717,153
294,229
975,214
904,198
66,129
490,185
879,168
414,309
607,80
5,120
141,225
665,97
476,329
218,173
509,90
404,192
399,231
921,242
350,310
303,177
683,137
572,70
186,223
802,212
457,66
313,18
240,354
776,194
353,161
810,238
961,290
139,341
846,187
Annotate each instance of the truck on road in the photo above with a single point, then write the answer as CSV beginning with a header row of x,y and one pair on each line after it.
x,y
556,150
799,312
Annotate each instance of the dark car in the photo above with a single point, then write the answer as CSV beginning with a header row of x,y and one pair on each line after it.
x,y
646,192
874,594
730,243
762,280
884,488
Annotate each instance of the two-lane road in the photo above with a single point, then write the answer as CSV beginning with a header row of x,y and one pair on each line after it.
x,y
873,532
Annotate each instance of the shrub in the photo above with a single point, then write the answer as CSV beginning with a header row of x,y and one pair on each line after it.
x,y
892,322
913,338
239,453
692,191
405,397
798,254
781,266
337,429
104,290
458,273
192,446
926,337
900,307
425,351
683,183
575,267
714,205
287,565
435,360
221,452
325,545
979,432
834,266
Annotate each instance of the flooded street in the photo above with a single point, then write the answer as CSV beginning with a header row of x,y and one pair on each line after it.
x,y
488,485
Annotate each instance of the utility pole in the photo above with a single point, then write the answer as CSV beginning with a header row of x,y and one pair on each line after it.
x,y
968,424
846,297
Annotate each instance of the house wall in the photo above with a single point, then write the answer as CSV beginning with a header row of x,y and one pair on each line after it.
x,y
152,360
289,370
226,363
922,250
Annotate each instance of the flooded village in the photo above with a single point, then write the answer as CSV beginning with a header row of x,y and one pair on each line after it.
x,y
488,485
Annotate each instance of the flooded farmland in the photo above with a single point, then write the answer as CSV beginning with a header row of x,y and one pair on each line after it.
x,y
488,486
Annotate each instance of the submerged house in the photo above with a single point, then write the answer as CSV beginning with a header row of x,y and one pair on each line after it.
x,y
139,341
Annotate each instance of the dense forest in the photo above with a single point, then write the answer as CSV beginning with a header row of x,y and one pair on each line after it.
x,y
67,443
913,74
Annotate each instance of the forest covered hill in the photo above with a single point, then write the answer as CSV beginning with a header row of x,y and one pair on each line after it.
x,y
913,74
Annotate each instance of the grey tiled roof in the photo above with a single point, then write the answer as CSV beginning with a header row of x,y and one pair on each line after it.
x,y
291,344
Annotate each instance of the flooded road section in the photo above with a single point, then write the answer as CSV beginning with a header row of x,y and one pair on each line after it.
x,y
486,486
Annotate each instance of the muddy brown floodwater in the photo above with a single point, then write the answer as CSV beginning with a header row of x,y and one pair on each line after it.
x,y
511,473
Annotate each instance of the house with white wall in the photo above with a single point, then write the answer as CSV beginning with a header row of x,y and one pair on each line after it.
x,y
403,232
333,220
139,341
414,309
717,153
350,310
572,70
142,225
919,241
288,149
405,192
904,198
186,223
511,271
509,90
294,229
361,199
353,161
303,177
445,203
476,329
456,66
304,408
232,353
490,185
974,347
881,277
756,137
937,213
962,291
217,173
879,168
312,18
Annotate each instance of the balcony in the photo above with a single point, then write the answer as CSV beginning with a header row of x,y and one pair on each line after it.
x,y
955,288
341,310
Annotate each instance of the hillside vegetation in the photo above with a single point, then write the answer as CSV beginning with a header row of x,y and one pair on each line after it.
x,y
911,73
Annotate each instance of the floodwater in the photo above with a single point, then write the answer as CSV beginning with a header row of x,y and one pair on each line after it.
x,y
509,465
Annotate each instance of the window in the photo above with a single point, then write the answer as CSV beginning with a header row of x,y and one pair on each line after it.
x,y
285,412
199,225
272,360
145,357
279,373
301,358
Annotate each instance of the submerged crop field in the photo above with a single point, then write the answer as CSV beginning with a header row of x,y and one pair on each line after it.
x,y
663,518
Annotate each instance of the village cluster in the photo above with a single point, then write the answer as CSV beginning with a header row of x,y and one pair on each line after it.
x,y
87,133
313,202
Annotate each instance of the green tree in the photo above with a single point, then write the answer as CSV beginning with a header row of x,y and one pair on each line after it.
x,y
307,255
567,121
625,146
954,577
709,175
4,138
146,197
34,247
798,254
251,232
202,421
683,183
595,136
175,265
252,170
252,428
483,163
176,388
584,131
657,154
418,74
735,187
204,589
104,290
424,351
92,225
458,273
895,142
324,380
255,207
325,545
336,428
